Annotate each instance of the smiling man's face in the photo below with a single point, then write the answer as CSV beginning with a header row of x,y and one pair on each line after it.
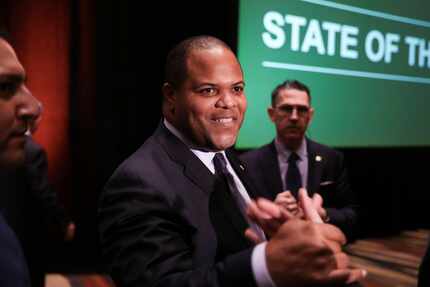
x,y
18,108
210,104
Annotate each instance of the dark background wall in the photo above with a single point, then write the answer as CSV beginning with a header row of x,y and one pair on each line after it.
x,y
116,52
130,60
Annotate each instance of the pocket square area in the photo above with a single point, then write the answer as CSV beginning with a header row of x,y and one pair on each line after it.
x,y
326,182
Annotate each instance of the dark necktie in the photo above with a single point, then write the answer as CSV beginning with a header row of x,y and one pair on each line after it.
x,y
293,178
221,170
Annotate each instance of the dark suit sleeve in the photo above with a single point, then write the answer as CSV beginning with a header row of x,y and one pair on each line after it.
x,y
13,269
342,207
424,272
41,198
146,242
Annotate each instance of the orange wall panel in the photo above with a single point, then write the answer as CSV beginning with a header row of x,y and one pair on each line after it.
x,y
40,32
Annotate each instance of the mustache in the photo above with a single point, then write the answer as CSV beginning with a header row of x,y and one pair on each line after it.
x,y
293,126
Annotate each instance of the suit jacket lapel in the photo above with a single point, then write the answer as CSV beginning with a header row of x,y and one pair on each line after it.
x,y
270,169
194,169
314,168
239,168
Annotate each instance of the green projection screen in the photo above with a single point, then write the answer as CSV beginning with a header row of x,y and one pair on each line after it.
x,y
366,62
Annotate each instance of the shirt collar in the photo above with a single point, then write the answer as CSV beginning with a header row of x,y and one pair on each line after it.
x,y
284,153
205,156
176,132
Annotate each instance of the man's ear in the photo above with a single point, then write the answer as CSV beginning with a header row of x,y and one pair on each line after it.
x,y
311,114
168,92
271,112
169,96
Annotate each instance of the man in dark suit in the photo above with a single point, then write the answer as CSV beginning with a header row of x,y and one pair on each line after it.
x,y
18,112
30,206
173,213
318,168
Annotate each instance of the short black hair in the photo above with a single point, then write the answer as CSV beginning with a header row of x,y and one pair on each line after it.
x,y
4,34
176,68
290,84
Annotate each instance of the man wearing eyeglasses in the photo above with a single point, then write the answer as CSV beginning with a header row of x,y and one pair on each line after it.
x,y
293,161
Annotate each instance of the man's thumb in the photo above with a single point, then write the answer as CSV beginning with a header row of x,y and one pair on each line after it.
x,y
317,200
309,209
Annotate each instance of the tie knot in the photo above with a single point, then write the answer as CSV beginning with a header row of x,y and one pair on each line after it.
x,y
220,163
293,158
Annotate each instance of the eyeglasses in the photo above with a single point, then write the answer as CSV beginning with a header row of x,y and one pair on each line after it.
x,y
288,110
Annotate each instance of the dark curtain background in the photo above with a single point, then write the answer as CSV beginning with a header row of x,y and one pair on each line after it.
x,y
102,75
134,40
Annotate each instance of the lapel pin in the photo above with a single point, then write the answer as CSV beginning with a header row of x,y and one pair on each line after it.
x,y
242,167
318,158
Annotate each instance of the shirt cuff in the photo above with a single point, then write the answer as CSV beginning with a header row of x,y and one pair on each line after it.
x,y
259,266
